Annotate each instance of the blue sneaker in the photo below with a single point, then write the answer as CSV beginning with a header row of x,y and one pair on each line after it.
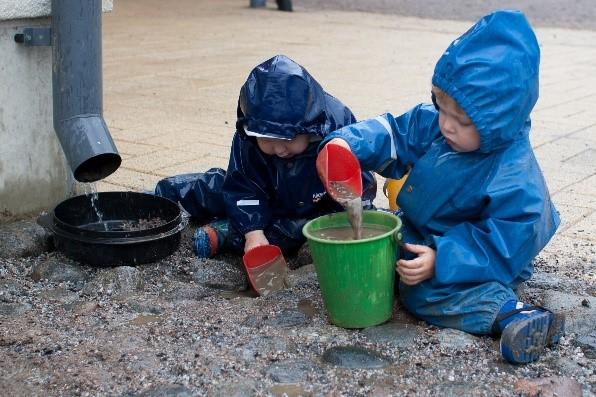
x,y
209,239
527,331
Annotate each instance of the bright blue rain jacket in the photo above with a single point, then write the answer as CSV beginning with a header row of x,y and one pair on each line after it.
x,y
488,212
280,99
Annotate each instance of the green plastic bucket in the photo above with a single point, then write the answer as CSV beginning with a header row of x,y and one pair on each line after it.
x,y
356,277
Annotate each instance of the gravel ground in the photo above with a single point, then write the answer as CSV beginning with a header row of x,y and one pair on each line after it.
x,y
186,327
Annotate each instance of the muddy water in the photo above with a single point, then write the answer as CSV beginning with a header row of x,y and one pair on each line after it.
x,y
345,233
352,203
126,225
91,190
354,208
270,277
341,192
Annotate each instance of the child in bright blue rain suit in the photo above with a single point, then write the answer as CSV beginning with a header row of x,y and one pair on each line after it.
x,y
271,187
476,209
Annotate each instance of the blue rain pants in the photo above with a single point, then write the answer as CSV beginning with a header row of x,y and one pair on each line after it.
x,y
468,307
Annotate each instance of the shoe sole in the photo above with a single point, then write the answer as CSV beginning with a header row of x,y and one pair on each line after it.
x,y
556,329
523,341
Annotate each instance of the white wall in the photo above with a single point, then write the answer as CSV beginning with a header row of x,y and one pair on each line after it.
x,y
21,9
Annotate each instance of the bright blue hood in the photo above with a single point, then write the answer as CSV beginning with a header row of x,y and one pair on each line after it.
x,y
491,71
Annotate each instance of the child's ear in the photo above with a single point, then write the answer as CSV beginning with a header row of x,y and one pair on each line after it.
x,y
433,97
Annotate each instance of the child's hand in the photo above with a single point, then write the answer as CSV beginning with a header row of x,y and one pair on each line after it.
x,y
418,269
254,239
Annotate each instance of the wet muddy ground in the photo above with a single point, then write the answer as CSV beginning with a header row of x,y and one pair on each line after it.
x,y
186,327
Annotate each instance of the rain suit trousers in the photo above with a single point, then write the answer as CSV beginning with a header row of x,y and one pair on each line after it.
x,y
200,194
468,307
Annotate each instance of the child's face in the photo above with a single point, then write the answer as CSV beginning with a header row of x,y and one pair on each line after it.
x,y
457,128
282,147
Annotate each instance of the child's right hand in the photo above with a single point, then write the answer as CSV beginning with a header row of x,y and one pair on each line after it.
x,y
254,239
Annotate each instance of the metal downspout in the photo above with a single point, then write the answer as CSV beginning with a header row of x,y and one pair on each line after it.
x,y
77,90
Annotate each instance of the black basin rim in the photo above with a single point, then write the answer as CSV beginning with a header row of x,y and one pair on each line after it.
x,y
83,232
168,207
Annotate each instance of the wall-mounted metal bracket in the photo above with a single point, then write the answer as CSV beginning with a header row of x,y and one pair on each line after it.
x,y
37,36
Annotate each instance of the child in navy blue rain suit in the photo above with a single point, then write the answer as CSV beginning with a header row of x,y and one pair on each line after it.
x,y
476,209
271,187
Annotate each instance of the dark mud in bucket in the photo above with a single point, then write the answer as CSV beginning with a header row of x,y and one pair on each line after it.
x,y
356,277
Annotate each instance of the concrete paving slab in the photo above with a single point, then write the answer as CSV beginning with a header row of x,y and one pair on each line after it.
x,y
556,183
195,165
585,186
560,150
571,215
150,162
584,229
587,133
202,135
567,174
133,149
587,158
567,252
577,108
102,186
566,197
127,179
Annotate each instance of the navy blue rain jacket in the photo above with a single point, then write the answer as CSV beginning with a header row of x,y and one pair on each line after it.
x,y
487,212
280,99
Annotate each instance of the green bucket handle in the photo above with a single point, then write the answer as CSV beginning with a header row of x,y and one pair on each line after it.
x,y
398,237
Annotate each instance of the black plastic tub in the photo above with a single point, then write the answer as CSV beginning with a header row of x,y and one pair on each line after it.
x,y
114,228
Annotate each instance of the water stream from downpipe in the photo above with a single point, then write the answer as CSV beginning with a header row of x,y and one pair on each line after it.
x,y
91,190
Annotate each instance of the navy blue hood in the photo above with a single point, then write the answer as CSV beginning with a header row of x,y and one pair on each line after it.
x,y
280,99
491,71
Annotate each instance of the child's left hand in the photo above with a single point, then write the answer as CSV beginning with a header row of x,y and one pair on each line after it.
x,y
414,271
254,239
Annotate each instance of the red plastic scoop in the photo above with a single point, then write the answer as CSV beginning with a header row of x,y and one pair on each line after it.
x,y
340,172
266,268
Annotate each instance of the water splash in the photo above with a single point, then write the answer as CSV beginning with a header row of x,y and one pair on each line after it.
x,y
89,189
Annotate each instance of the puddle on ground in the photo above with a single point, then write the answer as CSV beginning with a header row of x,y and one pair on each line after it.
x,y
355,357
307,307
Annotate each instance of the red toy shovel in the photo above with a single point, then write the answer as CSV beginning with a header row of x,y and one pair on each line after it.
x,y
266,268
339,170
